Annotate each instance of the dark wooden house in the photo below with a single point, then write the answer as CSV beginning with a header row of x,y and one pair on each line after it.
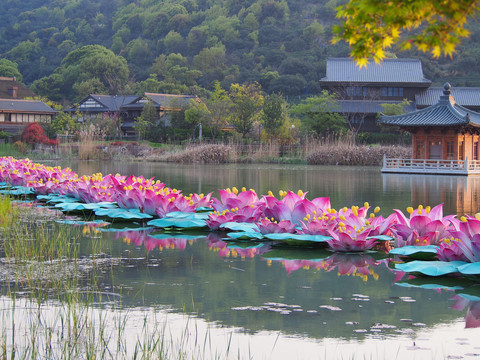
x,y
361,92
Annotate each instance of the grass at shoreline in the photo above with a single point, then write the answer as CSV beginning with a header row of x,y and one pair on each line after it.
x,y
310,152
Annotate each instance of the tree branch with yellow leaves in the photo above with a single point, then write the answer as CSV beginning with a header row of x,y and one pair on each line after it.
x,y
372,26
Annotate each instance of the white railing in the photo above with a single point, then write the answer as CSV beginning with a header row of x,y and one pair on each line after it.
x,y
431,165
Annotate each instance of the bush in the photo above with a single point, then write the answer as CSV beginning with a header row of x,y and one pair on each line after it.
x,y
4,135
34,134
357,155
20,147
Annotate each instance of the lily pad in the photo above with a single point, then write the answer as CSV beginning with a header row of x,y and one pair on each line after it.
x,y
18,191
187,215
122,214
167,223
445,283
470,269
82,222
245,235
234,226
298,239
426,252
430,268
78,207
381,237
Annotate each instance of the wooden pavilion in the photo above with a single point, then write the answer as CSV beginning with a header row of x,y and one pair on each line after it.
x,y
445,139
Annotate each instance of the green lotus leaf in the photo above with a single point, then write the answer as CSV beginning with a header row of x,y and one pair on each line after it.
x,y
244,245
204,209
187,215
234,226
446,283
166,223
381,237
470,269
245,235
18,191
426,252
124,214
430,268
305,237
74,206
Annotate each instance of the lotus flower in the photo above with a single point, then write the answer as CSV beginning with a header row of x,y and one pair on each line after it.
x,y
349,239
266,226
424,227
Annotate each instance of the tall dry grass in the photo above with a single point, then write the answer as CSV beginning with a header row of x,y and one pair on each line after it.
x,y
91,138
356,154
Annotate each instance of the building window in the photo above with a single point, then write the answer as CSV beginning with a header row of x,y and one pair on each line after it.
x,y
461,151
8,117
450,150
392,91
475,150
358,91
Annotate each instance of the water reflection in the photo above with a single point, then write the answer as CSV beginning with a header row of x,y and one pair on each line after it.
x,y
460,194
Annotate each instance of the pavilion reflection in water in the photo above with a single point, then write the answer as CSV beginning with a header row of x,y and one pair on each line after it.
x,y
459,194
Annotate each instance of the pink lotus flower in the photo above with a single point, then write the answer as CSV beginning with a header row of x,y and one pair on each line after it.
x,y
266,226
349,239
423,223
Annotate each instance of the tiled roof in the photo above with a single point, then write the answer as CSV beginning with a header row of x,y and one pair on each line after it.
x,y
369,107
390,71
114,102
170,101
465,96
15,105
444,113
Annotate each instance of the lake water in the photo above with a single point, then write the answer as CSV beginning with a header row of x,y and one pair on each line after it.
x,y
264,302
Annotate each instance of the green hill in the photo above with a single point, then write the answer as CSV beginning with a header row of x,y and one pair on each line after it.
x,y
184,46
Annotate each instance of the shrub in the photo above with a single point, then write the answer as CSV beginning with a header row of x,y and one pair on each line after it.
x,y
34,134
20,147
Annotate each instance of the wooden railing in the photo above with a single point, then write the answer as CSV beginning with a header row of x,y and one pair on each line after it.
x,y
431,165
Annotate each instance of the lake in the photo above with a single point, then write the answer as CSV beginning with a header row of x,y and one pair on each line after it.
x,y
258,301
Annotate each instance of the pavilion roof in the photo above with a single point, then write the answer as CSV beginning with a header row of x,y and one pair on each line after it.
x,y
444,113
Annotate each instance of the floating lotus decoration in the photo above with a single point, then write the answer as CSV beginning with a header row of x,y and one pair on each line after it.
x,y
291,218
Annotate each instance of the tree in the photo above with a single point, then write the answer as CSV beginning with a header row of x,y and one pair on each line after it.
x,y
147,121
274,115
10,69
317,115
395,109
218,105
247,102
371,26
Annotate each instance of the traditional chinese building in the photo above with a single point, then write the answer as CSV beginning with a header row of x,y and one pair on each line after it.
x,y
445,138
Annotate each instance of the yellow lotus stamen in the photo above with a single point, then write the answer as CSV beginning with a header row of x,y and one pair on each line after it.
x,y
235,190
463,218
300,193
366,205
410,209
377,209
270,193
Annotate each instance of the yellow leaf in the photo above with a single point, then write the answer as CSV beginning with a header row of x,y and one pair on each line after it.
x,y
361,62
436,51
387,42
449,49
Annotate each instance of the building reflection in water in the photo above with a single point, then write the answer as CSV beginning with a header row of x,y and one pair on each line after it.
x,y
459,194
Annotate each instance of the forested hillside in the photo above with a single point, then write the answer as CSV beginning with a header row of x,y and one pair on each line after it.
x,y
184,46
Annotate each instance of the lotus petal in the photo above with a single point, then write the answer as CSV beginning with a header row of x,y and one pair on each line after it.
x,y
430,268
